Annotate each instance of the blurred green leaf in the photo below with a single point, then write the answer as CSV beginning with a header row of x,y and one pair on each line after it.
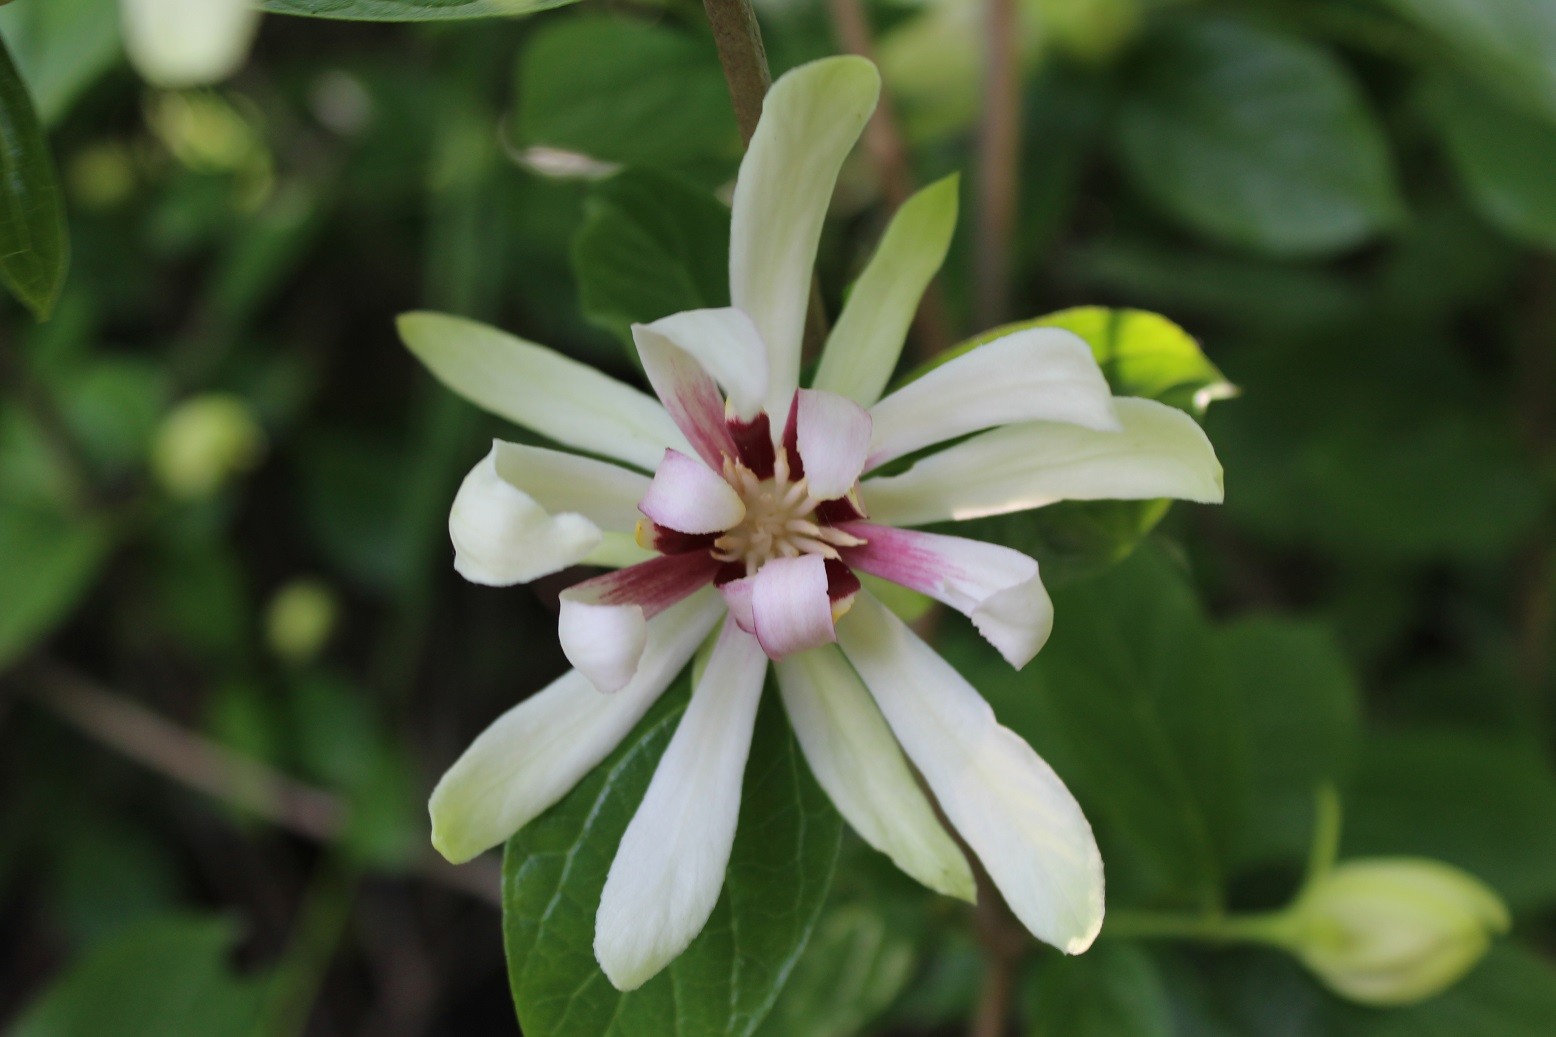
x,y
1302,714
1508,44
1484,805
1255,139
1503,156
1114,990
34,252
1511,994
727,980
61,47
50,561
624,90
162,977
408,10
650,246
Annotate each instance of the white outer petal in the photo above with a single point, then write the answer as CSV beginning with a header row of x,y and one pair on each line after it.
x,y
867,340
184,43
857,761
1005,801
810,120
532,755
670,866
524,512
724,341
1161,452
1036,374
541,389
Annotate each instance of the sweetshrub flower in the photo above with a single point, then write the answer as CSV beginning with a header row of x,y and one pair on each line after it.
x,y
765,504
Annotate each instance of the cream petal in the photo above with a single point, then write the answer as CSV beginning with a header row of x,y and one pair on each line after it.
x,y
184,43
810,120
534,754
790,609
1161,452
603,621
724,342
541,389
687,496
997,588
524,512
670,865
1036,374
857,761
1008,804
832,434
866,343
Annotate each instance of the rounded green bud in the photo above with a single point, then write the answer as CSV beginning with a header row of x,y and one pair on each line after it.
x,y
300,619
203,442
1393,931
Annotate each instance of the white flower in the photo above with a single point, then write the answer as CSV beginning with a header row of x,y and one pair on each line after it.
x,y
182,43
756,518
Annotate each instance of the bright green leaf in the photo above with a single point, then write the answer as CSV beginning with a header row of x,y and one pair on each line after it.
x,y
61,47
34,252
50,561
162,977
1255,139
627,91
727,980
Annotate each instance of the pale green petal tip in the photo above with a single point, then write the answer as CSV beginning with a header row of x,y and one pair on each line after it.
x,y
842,78
450,837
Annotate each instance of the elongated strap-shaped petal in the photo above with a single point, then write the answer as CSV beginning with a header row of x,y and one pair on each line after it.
x,y
541,389
184,43
1008,804
603,622
996,587
524,512
1037,374
532,755
670,865
790,608
832,435
855,758
689,497
867,340
1160,453
724,343
689,393
810,120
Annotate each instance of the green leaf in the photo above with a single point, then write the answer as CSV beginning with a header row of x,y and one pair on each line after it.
x,y
650,246
61,47
1141,354
727,980
1508,44
165,976
1511,994
1302,715
1475,802
1114,990
1130,702
50,562
34,252
409,10
1255,139
1503,156
627,91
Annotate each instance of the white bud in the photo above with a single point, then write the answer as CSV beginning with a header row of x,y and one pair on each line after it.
x,y
1393,931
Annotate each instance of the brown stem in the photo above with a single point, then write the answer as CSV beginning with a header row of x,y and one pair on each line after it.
x,y
201,764
998,152
739,40
888,150
1004,944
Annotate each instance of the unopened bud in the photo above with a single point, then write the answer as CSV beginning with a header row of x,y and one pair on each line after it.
x,y
203,442
300,619
1393,931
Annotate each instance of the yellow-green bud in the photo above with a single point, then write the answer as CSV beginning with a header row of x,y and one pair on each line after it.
x,y
300,619
1393,931
203,442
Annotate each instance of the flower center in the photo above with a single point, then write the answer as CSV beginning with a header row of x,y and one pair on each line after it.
x,y
780,519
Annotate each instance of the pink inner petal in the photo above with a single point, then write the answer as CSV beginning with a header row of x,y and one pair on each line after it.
x,y
832,437
692,397
790,607
689,497
653,585
737,598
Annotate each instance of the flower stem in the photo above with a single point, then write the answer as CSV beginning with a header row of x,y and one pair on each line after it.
x,y
1268,928
739,40
998,151
1004,944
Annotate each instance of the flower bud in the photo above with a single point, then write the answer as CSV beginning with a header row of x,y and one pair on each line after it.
x,y
204,441
1393,931
300,619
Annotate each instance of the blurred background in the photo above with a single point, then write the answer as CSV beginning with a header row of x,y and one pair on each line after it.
x,y
234,655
